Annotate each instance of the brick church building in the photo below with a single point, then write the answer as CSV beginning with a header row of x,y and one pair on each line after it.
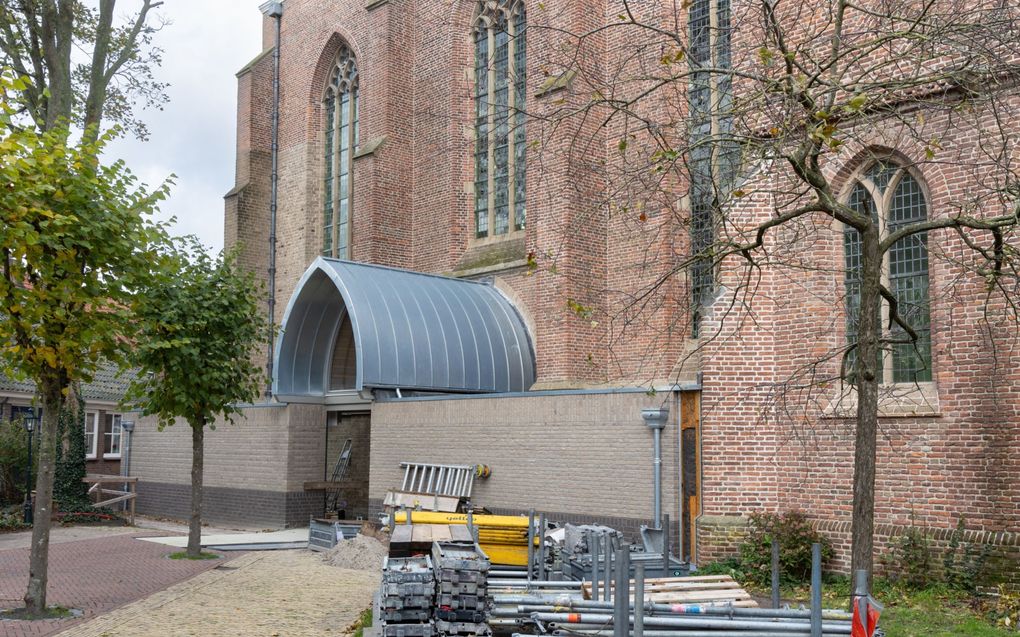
x,y
462,275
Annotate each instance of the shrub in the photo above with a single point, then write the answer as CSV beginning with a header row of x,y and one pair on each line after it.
x,y
12,522
13,461
795,534
91,515
909,561
730,566
962,569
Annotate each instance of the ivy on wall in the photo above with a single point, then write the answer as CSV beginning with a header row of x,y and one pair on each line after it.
x,y
69,489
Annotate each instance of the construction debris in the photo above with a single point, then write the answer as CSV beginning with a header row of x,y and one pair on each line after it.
x,y
360,553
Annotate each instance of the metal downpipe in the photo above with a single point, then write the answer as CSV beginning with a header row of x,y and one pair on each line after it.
x,y
655,419
273,10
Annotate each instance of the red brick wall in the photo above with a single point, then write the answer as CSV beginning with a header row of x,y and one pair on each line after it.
x,y
413,208
770,443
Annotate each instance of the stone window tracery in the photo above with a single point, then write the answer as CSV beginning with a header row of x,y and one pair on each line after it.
x,y
893,197
341,140
500,70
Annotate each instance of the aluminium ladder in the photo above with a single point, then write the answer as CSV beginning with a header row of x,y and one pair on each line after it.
x,y
343,463
438,479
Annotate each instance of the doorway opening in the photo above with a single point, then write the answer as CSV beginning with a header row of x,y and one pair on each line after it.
x,y
347,447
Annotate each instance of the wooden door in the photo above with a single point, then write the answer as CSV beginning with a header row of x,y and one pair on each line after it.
x,y
690,463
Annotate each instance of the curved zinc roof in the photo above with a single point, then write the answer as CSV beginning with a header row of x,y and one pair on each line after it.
x,y
411,331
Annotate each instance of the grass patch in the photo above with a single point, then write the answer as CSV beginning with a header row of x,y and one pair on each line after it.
x,y
183,555
364,621
53,612
937,611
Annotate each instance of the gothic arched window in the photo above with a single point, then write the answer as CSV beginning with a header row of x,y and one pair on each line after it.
x,y
499,118
893,197
341,108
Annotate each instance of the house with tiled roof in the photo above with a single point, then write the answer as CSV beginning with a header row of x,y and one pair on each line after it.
x,y
103,418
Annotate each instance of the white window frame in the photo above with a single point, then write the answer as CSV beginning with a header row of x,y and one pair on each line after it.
x,y
91,427
116,432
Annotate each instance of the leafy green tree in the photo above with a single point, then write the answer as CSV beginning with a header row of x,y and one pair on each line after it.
x,y
76,242
198,330
37,38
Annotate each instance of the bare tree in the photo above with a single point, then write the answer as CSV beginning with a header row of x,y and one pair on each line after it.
x,y
43,39
741,129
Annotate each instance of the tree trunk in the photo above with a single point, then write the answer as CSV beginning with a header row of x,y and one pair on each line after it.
x,y
867,378
57,30
71,403
35,596
197,458
96,98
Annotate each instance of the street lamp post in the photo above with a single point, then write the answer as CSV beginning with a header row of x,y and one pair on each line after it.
x,y
29,423
127,427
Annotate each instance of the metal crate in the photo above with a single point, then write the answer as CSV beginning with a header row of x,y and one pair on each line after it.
x,y
324,534
427,629
463,628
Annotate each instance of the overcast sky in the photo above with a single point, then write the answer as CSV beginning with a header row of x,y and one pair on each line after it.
x,y
193,136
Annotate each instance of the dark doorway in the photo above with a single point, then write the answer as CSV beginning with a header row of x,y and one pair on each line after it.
x,y
347,463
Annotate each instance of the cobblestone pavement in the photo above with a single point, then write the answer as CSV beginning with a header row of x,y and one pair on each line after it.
x,y
95,575
288,593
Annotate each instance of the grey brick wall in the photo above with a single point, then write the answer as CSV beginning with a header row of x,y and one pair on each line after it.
x,y
255,469
587,455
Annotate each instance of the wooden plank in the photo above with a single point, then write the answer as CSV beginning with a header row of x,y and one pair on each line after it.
x,y
441,533
460,533
692,578
129,496
696,596
426,501
421,533
693,586
687,583
99,479
401,534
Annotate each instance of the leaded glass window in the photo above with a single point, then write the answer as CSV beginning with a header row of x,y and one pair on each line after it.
x,y
341,141
893,198
500,63
713,154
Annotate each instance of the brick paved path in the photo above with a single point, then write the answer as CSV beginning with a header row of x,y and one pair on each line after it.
x,y
94,575
261,594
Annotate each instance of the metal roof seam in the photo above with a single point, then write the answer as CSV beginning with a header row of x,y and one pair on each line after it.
x,y
411,331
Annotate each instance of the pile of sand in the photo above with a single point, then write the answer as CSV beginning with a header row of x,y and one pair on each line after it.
x,y
361,553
